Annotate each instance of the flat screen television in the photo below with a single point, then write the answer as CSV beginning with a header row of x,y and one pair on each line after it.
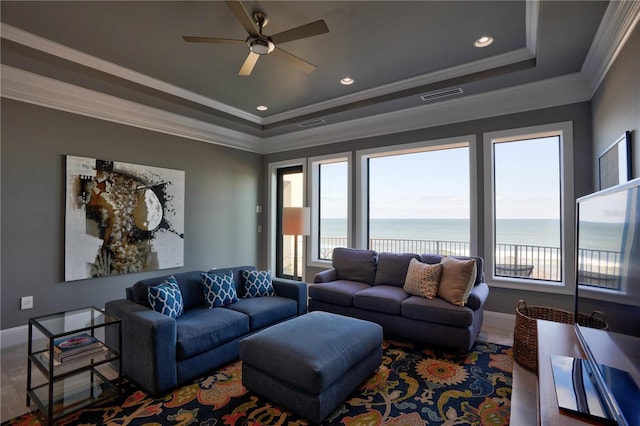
x,y
608,287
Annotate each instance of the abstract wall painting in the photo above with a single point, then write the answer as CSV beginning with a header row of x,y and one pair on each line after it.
x,y
122,218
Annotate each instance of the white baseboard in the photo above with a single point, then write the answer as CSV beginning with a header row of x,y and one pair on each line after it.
x,y
499,320
14,336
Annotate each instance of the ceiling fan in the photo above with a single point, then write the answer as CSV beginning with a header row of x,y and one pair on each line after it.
x,y
260,44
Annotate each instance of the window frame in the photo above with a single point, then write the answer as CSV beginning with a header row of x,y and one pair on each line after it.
x,y
362,181
567,206
314,164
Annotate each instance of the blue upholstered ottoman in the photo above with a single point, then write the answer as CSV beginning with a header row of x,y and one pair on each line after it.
x,y
311,363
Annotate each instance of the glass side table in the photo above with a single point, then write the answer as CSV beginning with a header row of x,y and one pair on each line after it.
x,y
78,381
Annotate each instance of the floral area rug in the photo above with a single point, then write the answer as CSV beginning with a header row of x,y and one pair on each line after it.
x,y
415,385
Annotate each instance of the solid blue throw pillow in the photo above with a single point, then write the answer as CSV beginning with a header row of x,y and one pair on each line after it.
x,y
257,283
219,289
166,298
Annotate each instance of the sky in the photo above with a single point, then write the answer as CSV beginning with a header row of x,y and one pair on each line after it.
x,y
435,184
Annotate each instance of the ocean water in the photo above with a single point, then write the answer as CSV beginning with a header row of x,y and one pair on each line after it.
x,y
534,232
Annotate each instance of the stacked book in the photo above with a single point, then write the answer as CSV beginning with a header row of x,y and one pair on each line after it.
x,y
78,346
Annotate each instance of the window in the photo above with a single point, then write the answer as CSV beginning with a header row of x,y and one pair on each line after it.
x,y
418,199
330,205
529,202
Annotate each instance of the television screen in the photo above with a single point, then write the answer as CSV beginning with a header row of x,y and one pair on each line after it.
x,y
608,277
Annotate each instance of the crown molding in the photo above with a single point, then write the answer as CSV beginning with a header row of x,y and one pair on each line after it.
x,y
32,88
618,22
61,51
567,89
532,14
496,61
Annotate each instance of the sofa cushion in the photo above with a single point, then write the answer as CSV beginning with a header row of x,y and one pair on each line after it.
x,y
337,292
236,271
355,264
423,279
436,310
190,284
265,311
200,329
257,283
219,289
380,298
166,298
436,258
457,280
392,268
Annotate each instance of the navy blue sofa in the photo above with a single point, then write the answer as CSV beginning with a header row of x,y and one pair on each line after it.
x,y
369,285
160,353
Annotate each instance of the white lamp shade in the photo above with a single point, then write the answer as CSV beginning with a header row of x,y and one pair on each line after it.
x,y
296,221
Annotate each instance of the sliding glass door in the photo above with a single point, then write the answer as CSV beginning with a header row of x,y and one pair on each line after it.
x,y
290,193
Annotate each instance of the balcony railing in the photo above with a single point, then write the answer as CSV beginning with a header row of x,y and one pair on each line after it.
x,y
454,248
596,267
525,261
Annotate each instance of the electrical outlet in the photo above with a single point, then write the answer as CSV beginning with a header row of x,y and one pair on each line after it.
x,y
258,209
26,302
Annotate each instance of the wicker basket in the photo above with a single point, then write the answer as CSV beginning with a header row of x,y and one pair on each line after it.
x,y
525,335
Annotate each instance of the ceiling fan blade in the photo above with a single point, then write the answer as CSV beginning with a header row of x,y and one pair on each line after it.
x,y
195,39
294,60
249,63
303,31
243,17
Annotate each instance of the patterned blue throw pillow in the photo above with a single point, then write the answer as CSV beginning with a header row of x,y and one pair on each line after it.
x,y
219,289
257,283
166,298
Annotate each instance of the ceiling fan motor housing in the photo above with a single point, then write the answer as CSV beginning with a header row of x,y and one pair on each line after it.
x,y
260,45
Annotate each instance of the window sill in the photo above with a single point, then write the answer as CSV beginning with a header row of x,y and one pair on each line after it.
x,y
530,285
320,264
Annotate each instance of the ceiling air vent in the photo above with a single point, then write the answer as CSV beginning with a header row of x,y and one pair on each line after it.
x,y
441,94
310,123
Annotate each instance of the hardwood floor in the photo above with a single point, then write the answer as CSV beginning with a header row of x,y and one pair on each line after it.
x,y
14,382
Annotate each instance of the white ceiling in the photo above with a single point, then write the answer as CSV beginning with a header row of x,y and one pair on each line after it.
x,y
131,56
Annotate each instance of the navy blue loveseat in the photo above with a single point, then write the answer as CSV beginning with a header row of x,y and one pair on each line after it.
x,y
160,353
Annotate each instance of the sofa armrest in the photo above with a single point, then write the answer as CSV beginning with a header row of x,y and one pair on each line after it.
x,y
148,345
478,296
326,276
295,290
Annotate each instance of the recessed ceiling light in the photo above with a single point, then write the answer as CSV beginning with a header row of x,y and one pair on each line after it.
x,y
483,41
262,107
347,81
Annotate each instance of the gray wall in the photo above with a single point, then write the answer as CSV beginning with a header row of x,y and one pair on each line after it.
x,y
616,104
500,300
223,186
221,192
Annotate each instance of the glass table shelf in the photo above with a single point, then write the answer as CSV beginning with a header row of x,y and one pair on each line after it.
x,y
85,377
